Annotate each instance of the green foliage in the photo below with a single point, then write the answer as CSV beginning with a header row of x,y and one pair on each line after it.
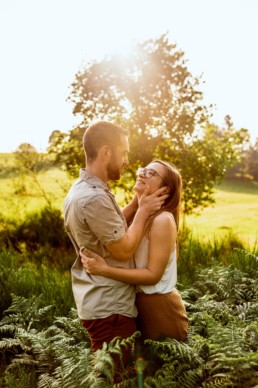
x,y
24,276
157,99
40,230
236,206
221,349
28,157
19,377
252,160
7,165
196,254
66,149
247,167
30,162
203,163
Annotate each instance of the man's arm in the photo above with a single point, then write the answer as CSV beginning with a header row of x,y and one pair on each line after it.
x,y
162,242
148,205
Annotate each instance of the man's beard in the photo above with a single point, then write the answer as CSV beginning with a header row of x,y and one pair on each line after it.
x,y
113,171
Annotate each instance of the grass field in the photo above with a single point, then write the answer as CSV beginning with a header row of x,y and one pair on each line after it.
x,y
20,194
235,209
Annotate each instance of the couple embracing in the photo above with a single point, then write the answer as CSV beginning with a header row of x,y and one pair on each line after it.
x,y
126,264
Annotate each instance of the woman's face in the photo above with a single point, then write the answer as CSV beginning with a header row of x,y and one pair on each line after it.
x,y
152,175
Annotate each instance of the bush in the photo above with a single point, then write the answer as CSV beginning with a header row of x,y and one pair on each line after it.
x,y
41,235
43,228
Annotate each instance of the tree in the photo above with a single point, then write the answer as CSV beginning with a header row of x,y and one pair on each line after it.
x,y
247,166
252,160
67,149
30,162
27,157
156,98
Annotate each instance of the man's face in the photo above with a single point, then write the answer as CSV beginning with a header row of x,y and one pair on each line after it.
x,y
119,159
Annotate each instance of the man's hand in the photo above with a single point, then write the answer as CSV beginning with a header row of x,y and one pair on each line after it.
x,y
151,203
92,262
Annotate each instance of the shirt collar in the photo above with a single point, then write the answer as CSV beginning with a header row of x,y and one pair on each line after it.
x,y
93,180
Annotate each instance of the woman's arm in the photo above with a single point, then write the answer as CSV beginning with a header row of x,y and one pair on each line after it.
x,y
130,210
162,242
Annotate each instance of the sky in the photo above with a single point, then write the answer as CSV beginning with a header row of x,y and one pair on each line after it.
x,y
43,43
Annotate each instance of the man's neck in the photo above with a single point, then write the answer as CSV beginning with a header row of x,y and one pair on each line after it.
x,y
94,169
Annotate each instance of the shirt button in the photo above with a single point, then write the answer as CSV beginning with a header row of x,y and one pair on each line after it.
x,y
94,187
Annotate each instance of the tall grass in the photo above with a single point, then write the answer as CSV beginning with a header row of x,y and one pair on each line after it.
x,y
27,274
196,253
21,275
221,349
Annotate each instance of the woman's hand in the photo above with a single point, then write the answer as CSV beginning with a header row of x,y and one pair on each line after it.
x,y
92,262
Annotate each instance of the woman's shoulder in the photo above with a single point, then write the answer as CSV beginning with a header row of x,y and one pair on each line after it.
x,y
165,215
163,229
165,220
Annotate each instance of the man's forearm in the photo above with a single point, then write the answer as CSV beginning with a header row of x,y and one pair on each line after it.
x,y
125,248
148,205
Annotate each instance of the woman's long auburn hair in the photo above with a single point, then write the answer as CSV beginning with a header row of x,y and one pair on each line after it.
x,y
173,181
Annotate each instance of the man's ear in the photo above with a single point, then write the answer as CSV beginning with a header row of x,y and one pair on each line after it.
x,y
105,152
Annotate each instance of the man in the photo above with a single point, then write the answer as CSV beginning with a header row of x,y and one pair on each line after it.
x,y
94,220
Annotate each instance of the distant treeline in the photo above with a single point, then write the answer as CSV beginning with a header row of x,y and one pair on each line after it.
x,y
247,167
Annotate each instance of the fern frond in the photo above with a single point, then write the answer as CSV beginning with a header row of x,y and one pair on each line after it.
x,y
23,360
13,344
9,330
219,381
46,381
26,313
171,349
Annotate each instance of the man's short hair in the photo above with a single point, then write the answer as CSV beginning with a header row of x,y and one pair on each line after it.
x,y
99,134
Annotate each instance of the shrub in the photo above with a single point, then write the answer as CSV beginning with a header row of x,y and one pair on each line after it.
x,y
42,236
43,228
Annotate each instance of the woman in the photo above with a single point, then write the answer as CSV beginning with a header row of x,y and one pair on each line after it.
x,y
161,311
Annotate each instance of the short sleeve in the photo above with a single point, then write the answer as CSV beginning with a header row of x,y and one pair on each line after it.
x,y
103,219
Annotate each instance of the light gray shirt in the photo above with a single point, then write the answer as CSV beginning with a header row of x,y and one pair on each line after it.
x,y
93,219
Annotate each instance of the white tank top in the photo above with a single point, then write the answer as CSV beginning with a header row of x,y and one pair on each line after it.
x,y
169,278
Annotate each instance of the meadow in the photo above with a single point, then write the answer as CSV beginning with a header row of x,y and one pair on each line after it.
x,y
43,344
235,209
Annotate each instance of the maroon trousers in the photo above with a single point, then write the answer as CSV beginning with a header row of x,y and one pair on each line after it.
x,y
105,329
